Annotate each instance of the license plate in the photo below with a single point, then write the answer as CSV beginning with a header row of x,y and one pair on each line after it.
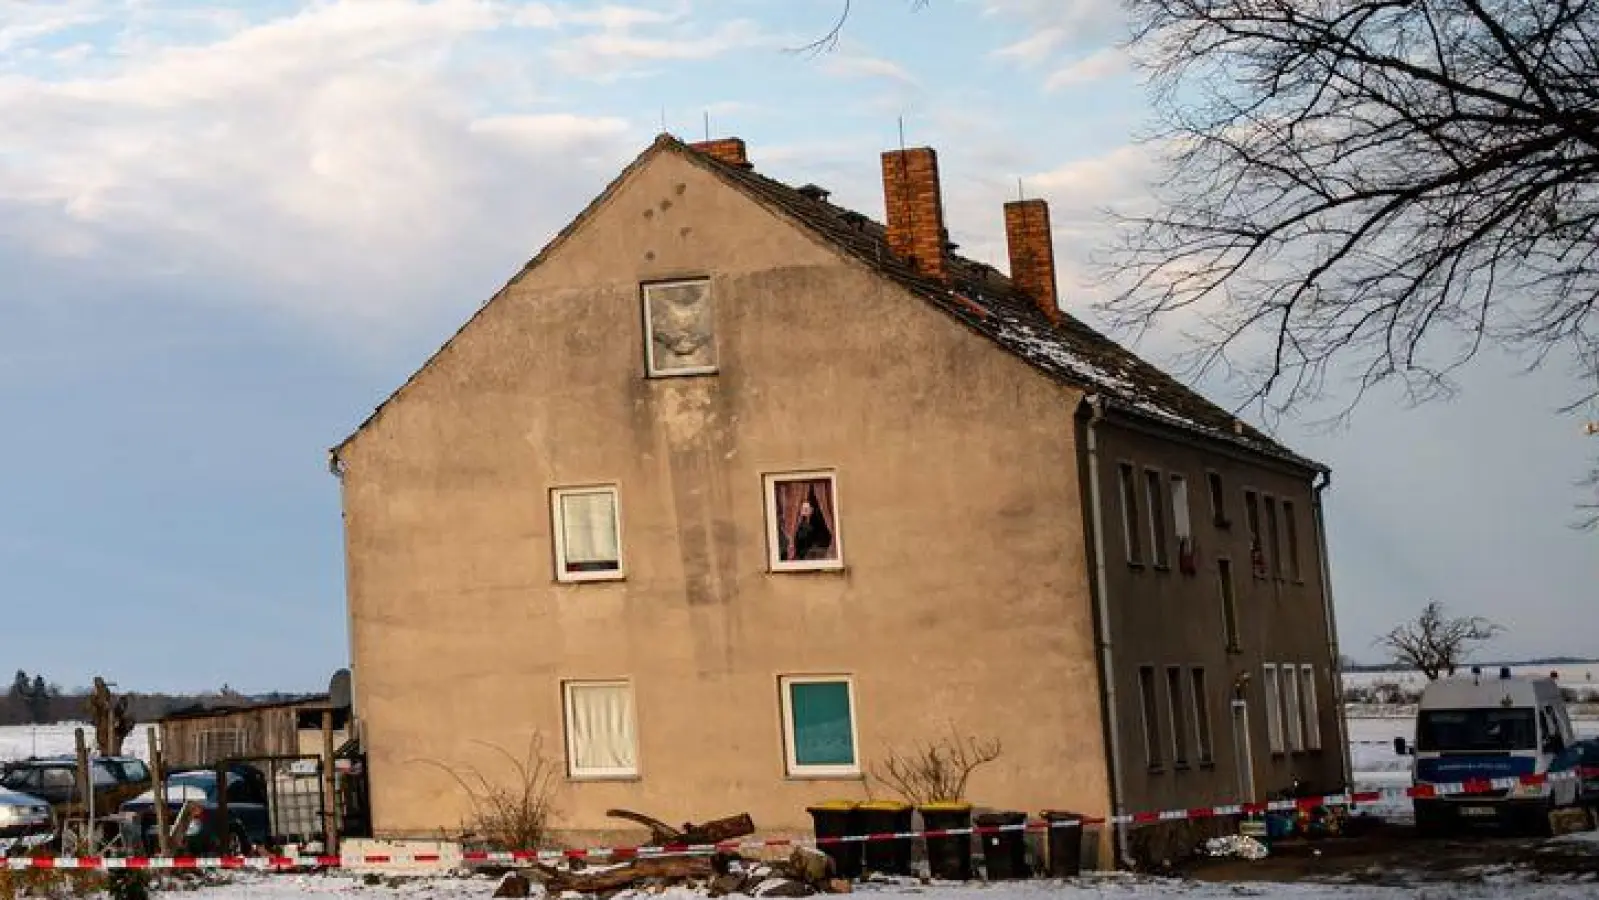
x,y
1478,811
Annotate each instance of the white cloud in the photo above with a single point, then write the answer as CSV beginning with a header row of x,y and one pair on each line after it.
x,y
613,53
1036,47
1097,66
1086,21
325,165
867,67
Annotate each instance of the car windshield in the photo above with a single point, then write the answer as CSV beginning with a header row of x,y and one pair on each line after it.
x,y
204,782
1448,730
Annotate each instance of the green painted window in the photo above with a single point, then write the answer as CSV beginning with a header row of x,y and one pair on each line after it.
x,y
821,725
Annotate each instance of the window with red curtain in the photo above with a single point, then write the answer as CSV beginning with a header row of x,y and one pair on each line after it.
x,y
806,519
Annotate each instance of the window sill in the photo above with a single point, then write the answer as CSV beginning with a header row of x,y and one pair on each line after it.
x,y
1162,567
605,578
681,373
1181,767
1135,565
1207,764
1157,770
589,779
825,776
820,569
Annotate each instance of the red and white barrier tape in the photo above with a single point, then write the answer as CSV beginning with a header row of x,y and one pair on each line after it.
x,y
278,863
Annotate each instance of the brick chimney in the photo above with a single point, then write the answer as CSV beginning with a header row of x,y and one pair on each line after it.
x,y
729,150
915,208
1032,253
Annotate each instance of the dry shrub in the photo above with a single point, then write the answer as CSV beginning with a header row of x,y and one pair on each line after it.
x,y
514,815
936,771
53,884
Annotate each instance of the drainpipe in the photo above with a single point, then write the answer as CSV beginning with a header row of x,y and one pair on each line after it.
x,y
1324,481
1107,673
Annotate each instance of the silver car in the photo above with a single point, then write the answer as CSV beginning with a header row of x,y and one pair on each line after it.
x,y
26,822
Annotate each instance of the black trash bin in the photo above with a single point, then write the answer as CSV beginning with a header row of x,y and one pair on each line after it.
x,y
1004,851
882,854
949,857
1065,843
838,819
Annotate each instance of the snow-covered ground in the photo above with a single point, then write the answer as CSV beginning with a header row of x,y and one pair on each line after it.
x,y
1491,884
1578,676
23,741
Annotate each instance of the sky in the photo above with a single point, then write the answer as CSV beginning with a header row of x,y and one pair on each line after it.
x,y
227,232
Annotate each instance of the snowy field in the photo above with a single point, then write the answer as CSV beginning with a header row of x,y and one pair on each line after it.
x,y
23,741
1580,676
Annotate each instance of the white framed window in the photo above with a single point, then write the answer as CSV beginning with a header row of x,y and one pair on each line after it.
x,y
587,523
802,522
1155,501
601,730
1175,716
1182,523
1150,706
819,727
1274,708
1202,744
679,328
1312,710
1295,725
1131,537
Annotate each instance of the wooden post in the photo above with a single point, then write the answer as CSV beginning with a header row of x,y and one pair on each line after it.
x,y
85,795
158,784
330,798
224,823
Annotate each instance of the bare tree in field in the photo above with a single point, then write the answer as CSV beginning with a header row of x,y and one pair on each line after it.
x,y
1382,187
1436,644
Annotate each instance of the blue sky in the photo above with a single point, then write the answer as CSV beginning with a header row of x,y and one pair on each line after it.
x,y
225,235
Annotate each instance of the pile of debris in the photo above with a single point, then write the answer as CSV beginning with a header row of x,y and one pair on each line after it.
x,y
804,873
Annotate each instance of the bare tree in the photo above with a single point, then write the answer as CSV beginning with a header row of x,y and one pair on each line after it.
x,y
937,770
1372,186
1436,644
829,41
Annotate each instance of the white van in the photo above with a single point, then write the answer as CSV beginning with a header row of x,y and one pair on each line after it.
x,y
1473,727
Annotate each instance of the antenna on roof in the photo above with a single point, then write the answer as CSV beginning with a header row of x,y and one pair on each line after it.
x,y
663,120
1019,194
902,133
707,124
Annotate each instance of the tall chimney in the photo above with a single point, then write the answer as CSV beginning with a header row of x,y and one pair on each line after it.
x,y
915,208
1032,253
729,150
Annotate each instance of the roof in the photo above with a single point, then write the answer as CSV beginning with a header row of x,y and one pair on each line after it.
x,y
979,297
314,701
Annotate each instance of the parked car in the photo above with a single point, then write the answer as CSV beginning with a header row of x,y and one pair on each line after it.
x,y
54,780
248,822
1582,756
26,822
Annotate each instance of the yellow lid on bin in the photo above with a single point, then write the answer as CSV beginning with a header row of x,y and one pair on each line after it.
x,y
834,805
946,806
885,806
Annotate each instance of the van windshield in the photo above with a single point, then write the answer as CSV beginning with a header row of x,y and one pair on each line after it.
x,y
1446,730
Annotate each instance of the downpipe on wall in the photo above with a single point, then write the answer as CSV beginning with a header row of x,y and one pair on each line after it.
x,y
1334,666
1107,674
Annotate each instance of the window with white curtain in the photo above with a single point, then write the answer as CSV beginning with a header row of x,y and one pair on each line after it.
x,y
1296,726
1307,686
588,534
601,737
1274,708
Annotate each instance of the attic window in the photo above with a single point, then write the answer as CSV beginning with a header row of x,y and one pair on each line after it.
x,y
814,192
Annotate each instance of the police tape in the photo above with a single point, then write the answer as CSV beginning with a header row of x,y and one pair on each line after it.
x,y
1473,787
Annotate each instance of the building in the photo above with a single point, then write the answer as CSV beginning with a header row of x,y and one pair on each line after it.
x,y
731,492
